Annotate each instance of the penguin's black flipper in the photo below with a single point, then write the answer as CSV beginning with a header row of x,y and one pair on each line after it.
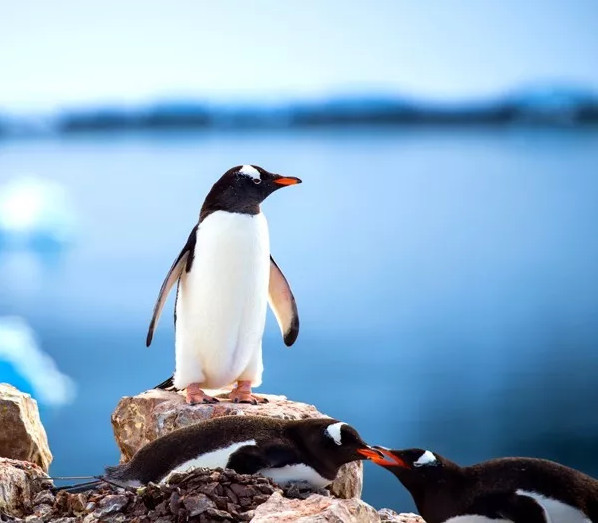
x,y
167,384
183,262
251,459
515,508
282,303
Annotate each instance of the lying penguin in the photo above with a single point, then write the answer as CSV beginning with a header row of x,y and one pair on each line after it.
x,y
308,451
515,490
226,276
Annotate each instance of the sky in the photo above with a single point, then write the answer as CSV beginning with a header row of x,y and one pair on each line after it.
x,y
72,52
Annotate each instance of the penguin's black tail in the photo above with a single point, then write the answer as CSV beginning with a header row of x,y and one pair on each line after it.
x,y
79,487
167,384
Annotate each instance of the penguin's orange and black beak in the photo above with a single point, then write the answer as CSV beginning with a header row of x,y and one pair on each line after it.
x,y
286,180
383,457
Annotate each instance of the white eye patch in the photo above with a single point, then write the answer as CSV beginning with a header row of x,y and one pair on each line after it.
x,y
427,458
249,170
334,431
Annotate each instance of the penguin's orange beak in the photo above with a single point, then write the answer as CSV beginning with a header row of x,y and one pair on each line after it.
x,y
287,180
382,456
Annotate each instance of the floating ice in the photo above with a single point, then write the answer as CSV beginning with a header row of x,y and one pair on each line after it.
x,y
19,348
35,212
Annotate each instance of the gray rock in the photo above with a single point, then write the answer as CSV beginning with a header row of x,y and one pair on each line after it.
x,y
110,504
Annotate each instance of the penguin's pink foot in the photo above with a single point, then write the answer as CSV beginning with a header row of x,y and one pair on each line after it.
x,y
242,394
195,395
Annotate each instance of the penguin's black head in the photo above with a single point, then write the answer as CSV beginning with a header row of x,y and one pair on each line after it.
x,y
243,188
412,464
334,441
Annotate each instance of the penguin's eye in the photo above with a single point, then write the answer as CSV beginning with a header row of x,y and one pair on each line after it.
x,y
257,181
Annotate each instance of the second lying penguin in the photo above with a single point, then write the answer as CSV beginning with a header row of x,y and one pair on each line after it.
x,y
225,276
287,451
504,490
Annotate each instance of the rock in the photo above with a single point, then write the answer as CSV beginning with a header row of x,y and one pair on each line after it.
x,y
110,504
23,436
390,516
140,419
315,509
20,484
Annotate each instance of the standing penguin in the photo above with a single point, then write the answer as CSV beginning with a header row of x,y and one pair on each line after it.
x,y
225,276
505,490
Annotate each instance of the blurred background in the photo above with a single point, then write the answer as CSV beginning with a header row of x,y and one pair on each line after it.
x,y
442,248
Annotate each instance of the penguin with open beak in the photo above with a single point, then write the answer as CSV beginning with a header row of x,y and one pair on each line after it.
x,y
225,276
308,451
515,490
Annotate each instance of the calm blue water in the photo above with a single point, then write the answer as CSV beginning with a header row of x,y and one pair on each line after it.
x,y
447,282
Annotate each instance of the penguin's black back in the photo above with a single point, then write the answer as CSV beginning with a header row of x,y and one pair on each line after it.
x,y
504,488
541,476
157,459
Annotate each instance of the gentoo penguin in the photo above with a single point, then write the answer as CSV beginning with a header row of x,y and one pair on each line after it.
x,y
517,490
225,276
288,451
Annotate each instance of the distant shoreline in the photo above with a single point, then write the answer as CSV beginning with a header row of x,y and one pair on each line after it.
x,y
561,107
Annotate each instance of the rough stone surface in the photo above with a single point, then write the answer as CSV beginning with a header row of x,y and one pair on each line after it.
x,y
204,496
314,509
390,516
21,482
140,419
22,436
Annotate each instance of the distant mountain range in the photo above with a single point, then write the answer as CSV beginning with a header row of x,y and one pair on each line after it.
x,y
544,105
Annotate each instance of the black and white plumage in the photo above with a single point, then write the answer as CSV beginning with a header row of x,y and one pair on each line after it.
x,y
505,490
226,276
308,451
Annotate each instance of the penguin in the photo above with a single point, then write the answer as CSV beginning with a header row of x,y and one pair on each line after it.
x,y
308,451
504,490
225,276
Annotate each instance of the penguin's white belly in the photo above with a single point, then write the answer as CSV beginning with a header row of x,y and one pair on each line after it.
x,y
297,473
221,303
214,459
557,511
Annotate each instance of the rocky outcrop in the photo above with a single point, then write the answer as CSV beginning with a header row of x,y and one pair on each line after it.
x,y
203,496
22,436
322,509
20,482
390,516
140,419
315,508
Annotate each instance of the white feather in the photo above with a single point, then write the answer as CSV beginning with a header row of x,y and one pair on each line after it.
x,y
557,511
334,431
427,458
249,170
211,460
295,474
221,306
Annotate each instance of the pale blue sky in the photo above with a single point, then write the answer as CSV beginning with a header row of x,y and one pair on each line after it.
x,y
73,52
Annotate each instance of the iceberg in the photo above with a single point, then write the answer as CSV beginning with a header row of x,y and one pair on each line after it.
x,y
25,365
35,213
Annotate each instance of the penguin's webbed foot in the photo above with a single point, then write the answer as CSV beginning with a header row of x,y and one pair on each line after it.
x,y
195,395
242,394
